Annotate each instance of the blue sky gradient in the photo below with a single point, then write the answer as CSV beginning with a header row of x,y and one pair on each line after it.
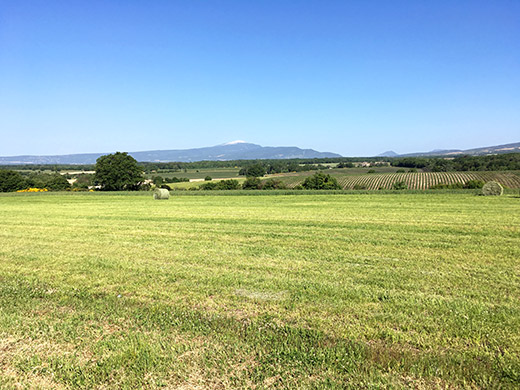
x,y
351,77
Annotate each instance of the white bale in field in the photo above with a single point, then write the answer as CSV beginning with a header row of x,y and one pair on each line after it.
x,y
161,193
492,188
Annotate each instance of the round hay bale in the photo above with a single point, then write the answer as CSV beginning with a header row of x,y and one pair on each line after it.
x,y
161,193
492,188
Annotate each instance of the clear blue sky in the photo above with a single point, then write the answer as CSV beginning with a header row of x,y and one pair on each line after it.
x,y
352,77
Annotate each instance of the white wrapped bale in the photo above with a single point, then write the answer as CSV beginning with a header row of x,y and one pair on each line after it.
x,y
492,188
161,193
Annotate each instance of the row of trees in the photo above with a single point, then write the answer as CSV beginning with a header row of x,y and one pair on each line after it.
x,y
11,181
114,172
500,162
318,181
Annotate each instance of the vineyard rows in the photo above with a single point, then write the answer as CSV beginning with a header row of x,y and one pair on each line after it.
x,y
416,180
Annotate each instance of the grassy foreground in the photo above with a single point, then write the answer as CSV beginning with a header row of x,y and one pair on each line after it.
x,y
229,292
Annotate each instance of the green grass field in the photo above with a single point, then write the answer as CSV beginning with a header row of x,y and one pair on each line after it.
x,y
400,290
215,173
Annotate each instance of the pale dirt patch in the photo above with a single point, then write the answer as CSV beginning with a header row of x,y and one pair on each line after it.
x,y
261,295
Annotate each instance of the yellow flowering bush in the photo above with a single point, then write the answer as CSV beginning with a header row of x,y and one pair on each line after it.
x,y
33,190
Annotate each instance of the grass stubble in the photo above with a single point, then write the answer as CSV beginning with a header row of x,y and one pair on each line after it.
x,y
228,292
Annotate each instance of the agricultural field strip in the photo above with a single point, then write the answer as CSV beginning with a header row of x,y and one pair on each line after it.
x,y
417,180
389,270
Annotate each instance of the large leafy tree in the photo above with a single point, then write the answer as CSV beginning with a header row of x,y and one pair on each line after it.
x,y
118,172
320,181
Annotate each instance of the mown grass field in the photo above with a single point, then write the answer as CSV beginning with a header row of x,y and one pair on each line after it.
x,y
399,290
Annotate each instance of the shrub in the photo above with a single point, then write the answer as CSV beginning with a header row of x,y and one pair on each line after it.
x,y
400,171
456,186
252,183
273,184
360,187
413,170
208,178
221,185
212,185
400,185
57,182
321,181
440,186
178,179
492,188
228,185
474,184
371,171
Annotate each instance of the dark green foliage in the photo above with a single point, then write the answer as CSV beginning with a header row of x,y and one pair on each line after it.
x,y
412,170
212,185
360,187
400,185
471,184
228,185
371,171
178,179
321,181
400,171
273,184
57,182
158,180
255,170
165,186
208,178
252,183
474,184
117,172
221,185
345,165
11,181
501,162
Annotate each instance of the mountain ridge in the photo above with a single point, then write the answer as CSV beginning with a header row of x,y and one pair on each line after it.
x,y
234,150
482,151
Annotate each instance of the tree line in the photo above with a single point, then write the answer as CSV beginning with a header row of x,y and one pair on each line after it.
x,y
499,162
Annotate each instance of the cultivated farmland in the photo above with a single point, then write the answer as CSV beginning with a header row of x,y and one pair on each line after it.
x,y
380,290
414,180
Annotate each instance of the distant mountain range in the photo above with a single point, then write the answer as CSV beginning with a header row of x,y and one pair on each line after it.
x,y
240,150
498,149
236,150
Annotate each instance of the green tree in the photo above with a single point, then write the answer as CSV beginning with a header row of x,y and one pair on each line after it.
x,y
400,185
255,170
321,181
57,182
117,172
11,181
158,180
252,183
273,184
